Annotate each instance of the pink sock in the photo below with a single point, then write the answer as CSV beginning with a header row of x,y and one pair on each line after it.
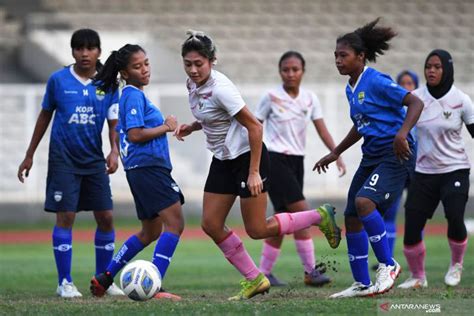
x,y
292,222
458,249
235,252
269,256
305,248
415,256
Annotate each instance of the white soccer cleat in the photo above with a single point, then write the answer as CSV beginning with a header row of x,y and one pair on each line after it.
x,y
453,277
385,277
413,283
357,289
114,290
67,290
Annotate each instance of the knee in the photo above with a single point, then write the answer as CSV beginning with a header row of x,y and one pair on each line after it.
x,y
65,219
353,224
364,206
210,228
147,238
104,221
255,233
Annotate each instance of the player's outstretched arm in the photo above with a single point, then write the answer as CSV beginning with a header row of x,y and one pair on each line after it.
x,y
41,126
351,138
141,135
400,143
327,139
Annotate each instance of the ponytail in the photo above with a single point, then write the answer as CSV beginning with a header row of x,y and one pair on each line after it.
x,y
369,39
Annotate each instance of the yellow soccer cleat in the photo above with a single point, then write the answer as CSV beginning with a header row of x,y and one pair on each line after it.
x,y
328,225
260,285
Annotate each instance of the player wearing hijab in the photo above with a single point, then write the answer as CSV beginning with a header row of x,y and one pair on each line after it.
x,y
442,169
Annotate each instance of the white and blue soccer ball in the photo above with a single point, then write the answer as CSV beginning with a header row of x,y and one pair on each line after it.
x,y
140,280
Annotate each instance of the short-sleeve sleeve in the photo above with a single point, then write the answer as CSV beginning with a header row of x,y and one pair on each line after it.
x,y
390,93
467,110
112,112
229,98
264,107
134,107
316,111
49,103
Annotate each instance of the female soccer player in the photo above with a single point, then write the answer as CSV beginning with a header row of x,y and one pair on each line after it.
x,y
286,111
145,155
376,109
78,174
408,80
442,169
239,166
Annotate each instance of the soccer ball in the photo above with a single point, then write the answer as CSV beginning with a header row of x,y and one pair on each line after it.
x,y
140,280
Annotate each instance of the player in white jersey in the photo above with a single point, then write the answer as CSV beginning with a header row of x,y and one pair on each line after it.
x,y
286,111
239,166
442,169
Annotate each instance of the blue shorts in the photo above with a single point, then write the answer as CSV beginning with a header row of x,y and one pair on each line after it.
x,y
76,192
382,183
153,190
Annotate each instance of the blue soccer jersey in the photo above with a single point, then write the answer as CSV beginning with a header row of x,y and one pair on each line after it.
x,y
377,112
81,109
136,111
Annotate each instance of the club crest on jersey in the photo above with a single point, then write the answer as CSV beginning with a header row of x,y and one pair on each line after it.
x,y
447,114
58,196
99,94
361,97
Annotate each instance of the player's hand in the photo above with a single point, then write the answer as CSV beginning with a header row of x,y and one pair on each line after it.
x,y
182,131
401,148
112,162
255,183
323,163
171,122
25,166
341,166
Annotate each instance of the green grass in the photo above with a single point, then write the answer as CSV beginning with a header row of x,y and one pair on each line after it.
x,y
205,279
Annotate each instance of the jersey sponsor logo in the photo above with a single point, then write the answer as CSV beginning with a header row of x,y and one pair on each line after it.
x,y
70,92
447,114
361,121
58,196
63,247
377,238
99,94
83,115
361,97
175,187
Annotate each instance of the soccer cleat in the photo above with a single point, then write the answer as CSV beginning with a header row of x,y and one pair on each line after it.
x,y
413,283
67,290
453,276
250,288
101,283
163,294
274,281
385,277
316,277
114,290
357,289
328,225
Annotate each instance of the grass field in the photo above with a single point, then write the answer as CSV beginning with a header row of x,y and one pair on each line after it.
x,y
204,279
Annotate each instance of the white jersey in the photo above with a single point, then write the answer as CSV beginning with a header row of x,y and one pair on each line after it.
x,y
214,106
286,119
440,145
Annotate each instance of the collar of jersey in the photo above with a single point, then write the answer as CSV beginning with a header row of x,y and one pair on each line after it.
x,y
289,96
78,78
358,80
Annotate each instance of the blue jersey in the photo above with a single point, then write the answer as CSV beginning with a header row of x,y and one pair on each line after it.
x,y
136,111
377,112
76,135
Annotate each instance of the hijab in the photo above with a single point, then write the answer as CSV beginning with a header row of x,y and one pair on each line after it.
x,y
447,78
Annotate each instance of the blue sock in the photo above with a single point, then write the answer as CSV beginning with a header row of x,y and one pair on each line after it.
x,y
375,228
164,250
62,248
129,249
358,251
390,219
104,249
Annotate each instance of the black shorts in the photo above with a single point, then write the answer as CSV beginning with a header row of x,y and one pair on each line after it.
x,y
153,190
426,190
230,176
286,180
